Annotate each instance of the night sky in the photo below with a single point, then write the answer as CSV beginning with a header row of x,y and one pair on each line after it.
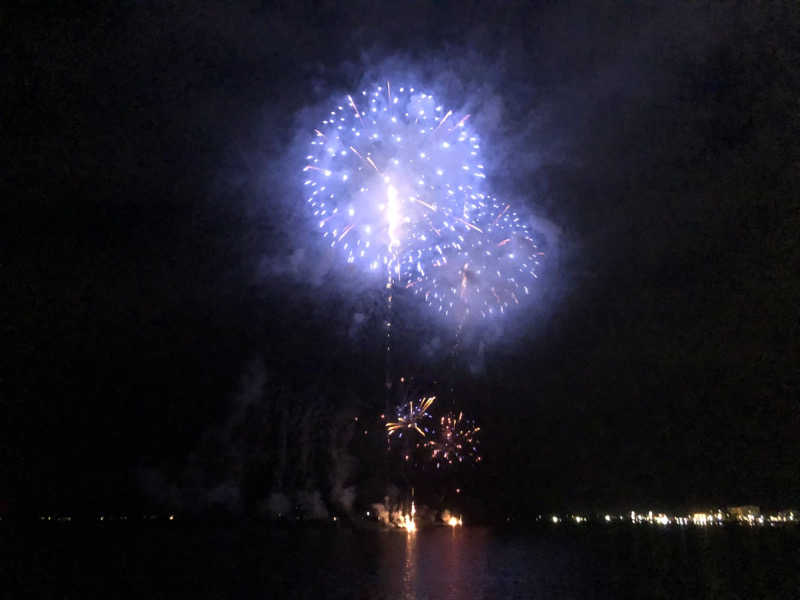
x,y
177,338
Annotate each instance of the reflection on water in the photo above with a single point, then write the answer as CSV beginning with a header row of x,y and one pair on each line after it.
x,y
452,563
410,567
262,561
473,562
448,563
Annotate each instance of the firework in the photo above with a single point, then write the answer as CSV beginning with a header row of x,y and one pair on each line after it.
x,y
396,182
456,441
409,523
410,417
452,519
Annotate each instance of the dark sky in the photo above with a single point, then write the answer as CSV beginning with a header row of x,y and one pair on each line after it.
x,y
155,250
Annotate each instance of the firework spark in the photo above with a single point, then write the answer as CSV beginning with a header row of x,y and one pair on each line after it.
x,y
456,441
408,521
400,191
452,519
410,417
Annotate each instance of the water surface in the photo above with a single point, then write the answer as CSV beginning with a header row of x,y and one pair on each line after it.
x,y
261,561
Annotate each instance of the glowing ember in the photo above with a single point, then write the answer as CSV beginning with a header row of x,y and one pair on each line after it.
x,y
407,522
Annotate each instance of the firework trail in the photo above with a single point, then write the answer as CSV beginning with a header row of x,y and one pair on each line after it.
x,y
396,182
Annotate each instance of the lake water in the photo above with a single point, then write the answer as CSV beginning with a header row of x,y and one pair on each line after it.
x,y
180,560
